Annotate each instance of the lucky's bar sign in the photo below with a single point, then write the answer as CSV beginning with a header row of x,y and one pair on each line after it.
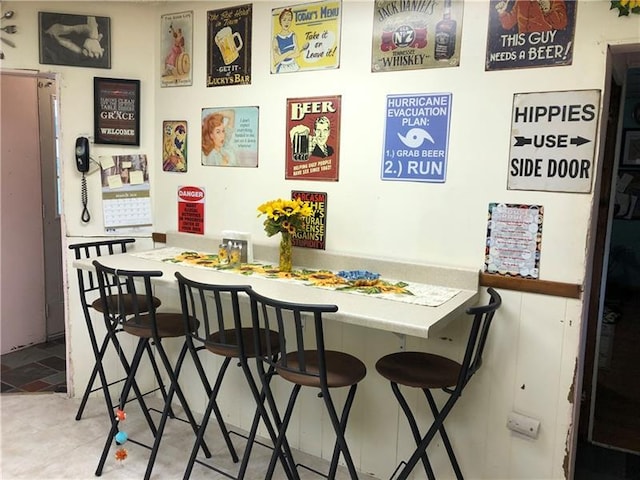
x,y
553,137
416,137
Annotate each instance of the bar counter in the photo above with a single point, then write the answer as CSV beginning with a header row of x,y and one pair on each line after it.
x,y
357,309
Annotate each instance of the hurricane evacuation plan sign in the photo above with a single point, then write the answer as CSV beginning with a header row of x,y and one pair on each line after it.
x,y
553,137
416,137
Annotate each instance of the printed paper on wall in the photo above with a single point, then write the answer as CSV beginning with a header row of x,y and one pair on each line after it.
x,y
514,237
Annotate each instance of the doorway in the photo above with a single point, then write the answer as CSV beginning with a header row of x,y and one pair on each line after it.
x,y
610,410
32,287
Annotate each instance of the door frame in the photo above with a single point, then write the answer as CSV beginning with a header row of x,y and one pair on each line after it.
x,y
50,164
620,57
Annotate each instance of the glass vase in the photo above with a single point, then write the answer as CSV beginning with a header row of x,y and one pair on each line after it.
x,y
285,252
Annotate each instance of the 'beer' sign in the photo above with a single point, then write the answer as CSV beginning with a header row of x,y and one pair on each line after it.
x,y
313,138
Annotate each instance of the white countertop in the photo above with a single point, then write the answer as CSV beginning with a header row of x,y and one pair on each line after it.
x,y
362,310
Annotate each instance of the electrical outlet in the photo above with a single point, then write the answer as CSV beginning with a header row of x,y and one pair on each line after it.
x,y
524,425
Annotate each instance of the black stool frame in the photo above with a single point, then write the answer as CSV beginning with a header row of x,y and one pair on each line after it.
x,y
482,317
270,314
118,283
213,334
88,283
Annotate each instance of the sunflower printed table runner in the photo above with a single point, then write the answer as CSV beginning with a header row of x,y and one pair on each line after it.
x,y
398,290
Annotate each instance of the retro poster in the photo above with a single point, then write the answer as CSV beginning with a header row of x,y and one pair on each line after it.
x,y
306,37
191,209
229,46
524,33
174,146
514,237
416,35
313,138
314,227
176,47
230,136
416,139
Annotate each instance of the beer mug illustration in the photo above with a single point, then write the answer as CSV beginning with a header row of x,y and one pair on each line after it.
x,y
229,43
300,146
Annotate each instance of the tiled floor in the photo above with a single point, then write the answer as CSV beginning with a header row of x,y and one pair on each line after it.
x,y
29,377
39,368
57,447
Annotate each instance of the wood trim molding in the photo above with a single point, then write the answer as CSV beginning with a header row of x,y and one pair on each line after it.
x,y
557,289
159,237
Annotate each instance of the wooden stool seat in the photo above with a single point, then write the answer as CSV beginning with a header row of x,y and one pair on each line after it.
x,y
419,369
215,344
170,325
128,304
343,370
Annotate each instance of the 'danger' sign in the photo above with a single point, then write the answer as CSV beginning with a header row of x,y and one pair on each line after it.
x,y
553,141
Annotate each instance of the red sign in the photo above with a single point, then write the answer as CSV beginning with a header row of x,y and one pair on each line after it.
x,y
313,138
313,232
191,210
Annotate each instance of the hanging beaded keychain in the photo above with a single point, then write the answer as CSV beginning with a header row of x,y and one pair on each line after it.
x,y
121,437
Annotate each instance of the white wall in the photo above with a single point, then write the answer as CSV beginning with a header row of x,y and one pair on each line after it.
x,y
534,345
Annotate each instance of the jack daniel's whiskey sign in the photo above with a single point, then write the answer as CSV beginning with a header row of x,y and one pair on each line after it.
x,y
416,34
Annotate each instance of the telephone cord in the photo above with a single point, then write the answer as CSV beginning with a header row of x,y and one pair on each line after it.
x,y
86,217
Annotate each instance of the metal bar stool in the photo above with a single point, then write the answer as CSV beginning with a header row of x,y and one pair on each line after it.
x,y
213,304
305,362
87,284
148,326
429,371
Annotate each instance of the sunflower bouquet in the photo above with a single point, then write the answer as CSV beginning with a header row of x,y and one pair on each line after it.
x,y
625,7
284,216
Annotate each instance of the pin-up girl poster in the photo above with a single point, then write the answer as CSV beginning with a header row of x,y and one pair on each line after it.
x,y
230,137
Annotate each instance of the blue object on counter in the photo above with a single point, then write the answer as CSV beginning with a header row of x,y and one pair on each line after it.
x,y
354,275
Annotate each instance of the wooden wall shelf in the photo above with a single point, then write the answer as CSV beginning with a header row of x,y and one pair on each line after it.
x,y
159,237
557,289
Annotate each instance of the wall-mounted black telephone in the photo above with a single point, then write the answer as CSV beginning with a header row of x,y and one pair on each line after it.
x,y
82,154
82,163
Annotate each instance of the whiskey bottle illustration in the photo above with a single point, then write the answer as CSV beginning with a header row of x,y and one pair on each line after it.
x,y
445,38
